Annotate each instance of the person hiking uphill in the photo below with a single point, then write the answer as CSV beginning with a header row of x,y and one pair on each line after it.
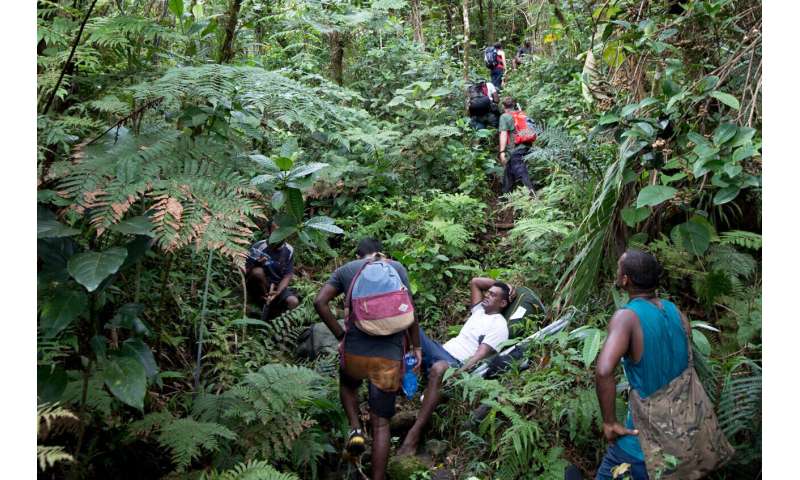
x,y
269,267
480,337
522,51
377,358
495,59
516,136
649,335
483,100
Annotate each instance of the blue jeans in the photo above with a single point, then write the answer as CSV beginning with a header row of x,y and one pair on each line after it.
x,y
433,351
497,78
616,456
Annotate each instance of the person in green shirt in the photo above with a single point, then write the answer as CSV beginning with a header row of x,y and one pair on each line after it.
x,y
516,170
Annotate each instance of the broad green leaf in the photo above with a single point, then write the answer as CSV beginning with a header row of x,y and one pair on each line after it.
x,y
306,170
197,11
136,348
326,224
60,309
701,342
125,377
608,118
693,237
706,151
732,170
424,85
281,234
425,104
652,195
745,151
697,139
176,7
46,228
726,98
667,179
631,216
91,268
591,346
723,133
396,101
743,136
134,226
266,178
707,83
613,54
129,317
725,195
646,128
284,163
295,203
278,199
51,380
440,92
264,161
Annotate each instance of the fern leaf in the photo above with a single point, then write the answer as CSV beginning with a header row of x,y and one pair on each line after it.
x,y
48,456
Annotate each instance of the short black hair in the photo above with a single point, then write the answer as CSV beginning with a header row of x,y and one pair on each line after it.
x,y
508,102
528,43
506,290
498,45
367,246
642,268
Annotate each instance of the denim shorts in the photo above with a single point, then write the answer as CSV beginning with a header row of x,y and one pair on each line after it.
x,y
433,351
616,456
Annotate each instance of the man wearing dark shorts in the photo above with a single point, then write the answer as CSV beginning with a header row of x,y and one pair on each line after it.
x,y
516,170
268,270
481,336
377,358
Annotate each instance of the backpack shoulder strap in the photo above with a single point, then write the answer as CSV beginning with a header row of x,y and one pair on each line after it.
x,y
349,296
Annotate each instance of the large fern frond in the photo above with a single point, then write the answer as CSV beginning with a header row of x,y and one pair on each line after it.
x,y
185,438
251,470
48,456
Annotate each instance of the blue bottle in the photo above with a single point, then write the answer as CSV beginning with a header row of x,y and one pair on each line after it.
x,y
409,379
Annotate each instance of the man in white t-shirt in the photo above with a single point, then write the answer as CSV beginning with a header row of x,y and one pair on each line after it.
x,y
480,337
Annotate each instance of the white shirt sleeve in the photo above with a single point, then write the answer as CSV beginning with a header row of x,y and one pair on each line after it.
x,y
497,333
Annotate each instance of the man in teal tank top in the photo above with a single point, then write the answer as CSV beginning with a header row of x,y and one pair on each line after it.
x,y
649,336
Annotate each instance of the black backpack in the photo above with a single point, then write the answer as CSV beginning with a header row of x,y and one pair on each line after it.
x,y
490,57
477,89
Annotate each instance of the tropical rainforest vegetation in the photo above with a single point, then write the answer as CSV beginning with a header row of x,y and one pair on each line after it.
x,y
170,130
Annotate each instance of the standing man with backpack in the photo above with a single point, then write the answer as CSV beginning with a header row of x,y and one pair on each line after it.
x,y
650,336
525,49
495,60
516,136
380,324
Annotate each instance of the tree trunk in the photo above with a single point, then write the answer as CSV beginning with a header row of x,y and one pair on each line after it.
x,y
226,52
490,23
465,10
416,21
481,23
337,56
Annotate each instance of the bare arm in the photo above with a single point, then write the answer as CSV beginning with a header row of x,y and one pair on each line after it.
x,y
477,286
484,350
503,143
283,283
617,344
321,305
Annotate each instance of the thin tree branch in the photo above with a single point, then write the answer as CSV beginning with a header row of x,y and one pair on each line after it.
x,y
69,59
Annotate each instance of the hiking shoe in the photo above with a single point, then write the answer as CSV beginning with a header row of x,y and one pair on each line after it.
x,y
356,443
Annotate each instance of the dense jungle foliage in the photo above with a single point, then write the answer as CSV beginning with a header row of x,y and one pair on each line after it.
x,y
169,130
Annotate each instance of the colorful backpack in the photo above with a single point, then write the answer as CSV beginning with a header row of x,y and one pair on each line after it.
x,y
524,128
378,302
490,57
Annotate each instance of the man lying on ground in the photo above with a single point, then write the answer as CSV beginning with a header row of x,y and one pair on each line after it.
x,y
480,337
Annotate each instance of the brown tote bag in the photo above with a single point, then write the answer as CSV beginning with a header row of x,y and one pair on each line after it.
x,y
678,420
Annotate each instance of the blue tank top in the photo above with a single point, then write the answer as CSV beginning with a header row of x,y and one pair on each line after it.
x,y
665,356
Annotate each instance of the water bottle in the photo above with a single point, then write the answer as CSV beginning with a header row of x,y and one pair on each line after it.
x,y
410,379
